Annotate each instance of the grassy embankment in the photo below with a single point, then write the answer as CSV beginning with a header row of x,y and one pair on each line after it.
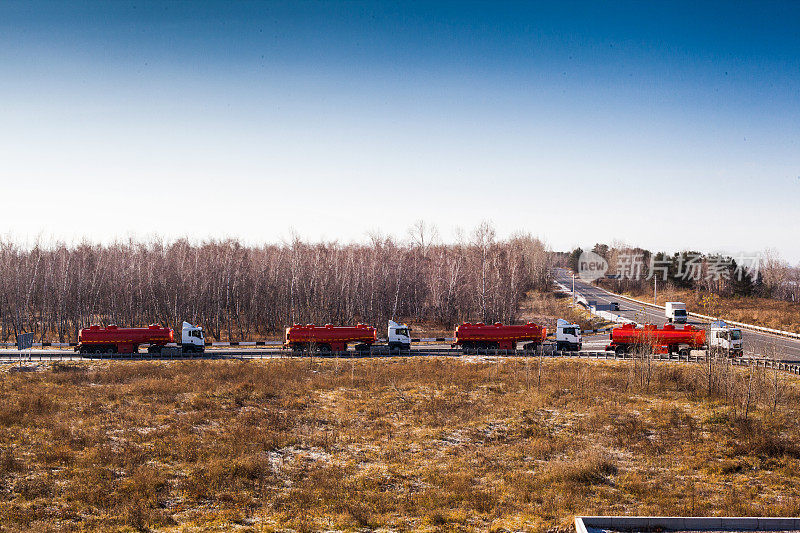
x,y
407,444
545,308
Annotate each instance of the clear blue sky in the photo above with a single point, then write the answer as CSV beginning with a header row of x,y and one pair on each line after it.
x,y
578,122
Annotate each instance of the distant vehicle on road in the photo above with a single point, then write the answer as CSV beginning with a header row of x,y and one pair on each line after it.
x,y
615,306
675,312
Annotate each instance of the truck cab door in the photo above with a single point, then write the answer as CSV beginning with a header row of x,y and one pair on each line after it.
x,y
399,336
192,335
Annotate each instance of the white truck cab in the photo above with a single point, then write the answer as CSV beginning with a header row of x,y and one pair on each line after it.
x,y
568,336
192,339
398,336
675,312
723,338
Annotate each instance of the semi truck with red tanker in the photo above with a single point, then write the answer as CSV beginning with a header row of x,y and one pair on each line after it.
x,y
498,336
329,338
667,339
506,337
114,339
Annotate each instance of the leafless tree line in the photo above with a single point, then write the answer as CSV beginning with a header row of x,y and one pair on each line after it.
x,y
781,279
238,292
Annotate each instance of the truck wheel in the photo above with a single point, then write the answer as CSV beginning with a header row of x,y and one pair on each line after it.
x,y
325,348
684,352
620,351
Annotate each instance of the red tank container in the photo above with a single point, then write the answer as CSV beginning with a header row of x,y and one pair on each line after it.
x,y
497,336
667,339
113,339
329,338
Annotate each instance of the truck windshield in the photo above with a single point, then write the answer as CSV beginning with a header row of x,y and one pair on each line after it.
x,y
402,332
736,334
680,312
569,331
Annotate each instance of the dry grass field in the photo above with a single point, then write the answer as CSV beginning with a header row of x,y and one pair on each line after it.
x,y
545,308
396,444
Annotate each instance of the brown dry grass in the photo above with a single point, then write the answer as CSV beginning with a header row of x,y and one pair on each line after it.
x,y
404,444
545,308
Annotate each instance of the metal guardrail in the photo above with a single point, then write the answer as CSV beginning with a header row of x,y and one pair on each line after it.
x,y
220,344
73,344
793,368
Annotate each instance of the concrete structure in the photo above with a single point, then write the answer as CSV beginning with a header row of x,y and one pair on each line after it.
x,y
598,524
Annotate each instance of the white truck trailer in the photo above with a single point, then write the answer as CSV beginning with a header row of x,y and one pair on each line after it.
x,y
675,312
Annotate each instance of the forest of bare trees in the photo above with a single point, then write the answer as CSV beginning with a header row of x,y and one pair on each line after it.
x,y
239,292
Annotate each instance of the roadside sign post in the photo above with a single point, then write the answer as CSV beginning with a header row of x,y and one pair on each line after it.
x,y
24,342
655,290
573,289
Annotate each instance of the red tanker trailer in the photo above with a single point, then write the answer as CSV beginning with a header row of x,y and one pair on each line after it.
x,y
496,336
329,338
668,339
113,339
